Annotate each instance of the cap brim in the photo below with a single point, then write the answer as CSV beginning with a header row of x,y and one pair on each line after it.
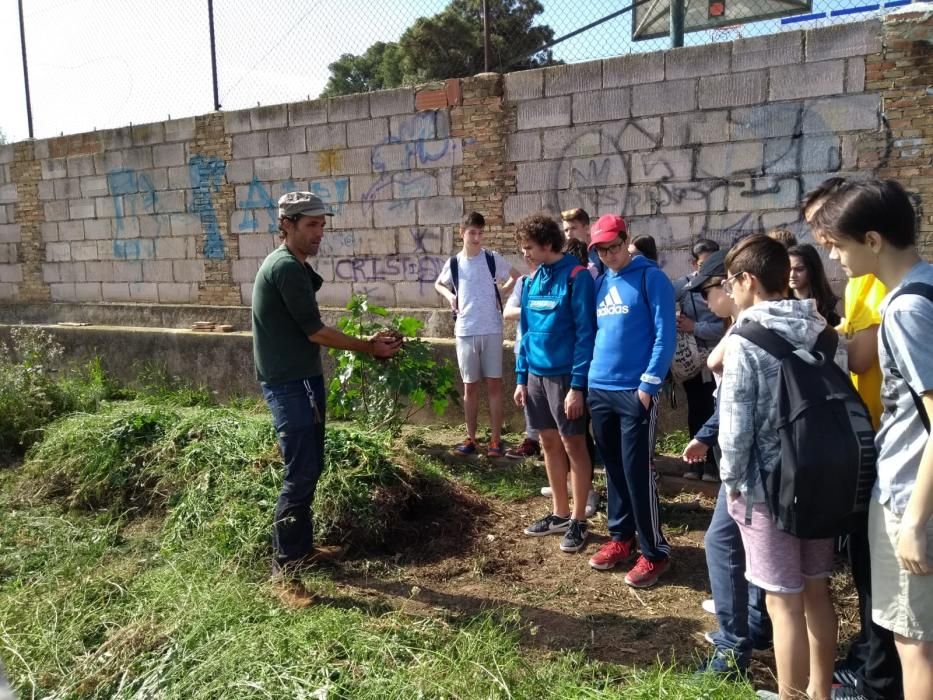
x,y
697,283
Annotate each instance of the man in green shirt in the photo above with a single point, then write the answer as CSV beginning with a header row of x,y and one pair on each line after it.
x,y
287,337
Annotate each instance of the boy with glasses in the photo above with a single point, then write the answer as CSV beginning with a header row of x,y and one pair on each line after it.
x,y
793,572
635,341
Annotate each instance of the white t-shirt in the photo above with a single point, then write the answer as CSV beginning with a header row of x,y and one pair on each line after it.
x,y
478,310
515,301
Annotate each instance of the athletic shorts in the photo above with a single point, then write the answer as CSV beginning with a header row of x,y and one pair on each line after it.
x,y
479,356
545,405
900,601
774,560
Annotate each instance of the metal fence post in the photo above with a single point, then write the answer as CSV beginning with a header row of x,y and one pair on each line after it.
x,y
210,16
22,39
678,11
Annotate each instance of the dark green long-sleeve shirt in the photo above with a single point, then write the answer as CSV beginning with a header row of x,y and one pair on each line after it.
x,y
285,313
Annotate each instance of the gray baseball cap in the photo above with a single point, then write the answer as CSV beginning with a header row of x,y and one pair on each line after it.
x,y
302,203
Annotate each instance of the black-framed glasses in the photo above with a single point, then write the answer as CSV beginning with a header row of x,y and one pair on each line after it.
x,y
610,249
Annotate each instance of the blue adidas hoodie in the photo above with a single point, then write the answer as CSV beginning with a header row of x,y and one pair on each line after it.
x,y
636,329
557,330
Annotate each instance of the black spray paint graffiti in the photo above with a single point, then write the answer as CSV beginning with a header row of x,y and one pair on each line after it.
x,y
389,268
635,177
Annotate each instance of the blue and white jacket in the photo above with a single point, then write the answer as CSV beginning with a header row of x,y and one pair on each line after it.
x,y
557,328
636,329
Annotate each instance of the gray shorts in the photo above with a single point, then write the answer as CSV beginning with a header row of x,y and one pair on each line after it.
x,y
900,601
479,356
544,405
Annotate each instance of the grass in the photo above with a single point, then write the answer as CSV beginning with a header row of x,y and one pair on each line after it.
x,y
216,472
673,443
91,607
133,565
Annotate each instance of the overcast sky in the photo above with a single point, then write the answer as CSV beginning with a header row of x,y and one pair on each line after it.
x,y
107,63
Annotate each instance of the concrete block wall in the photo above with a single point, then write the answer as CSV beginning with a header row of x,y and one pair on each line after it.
x,y
718,140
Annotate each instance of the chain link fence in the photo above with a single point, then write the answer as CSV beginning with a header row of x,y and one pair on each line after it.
x,y
108,63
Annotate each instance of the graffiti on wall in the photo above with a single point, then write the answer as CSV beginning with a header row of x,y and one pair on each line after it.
x,y
659,182
260,208
207,175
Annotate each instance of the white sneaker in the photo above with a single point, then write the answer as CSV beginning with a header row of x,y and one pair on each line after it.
x,y
547,492
592,503
709,605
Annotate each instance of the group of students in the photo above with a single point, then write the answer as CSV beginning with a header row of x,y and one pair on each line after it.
x,y
596,341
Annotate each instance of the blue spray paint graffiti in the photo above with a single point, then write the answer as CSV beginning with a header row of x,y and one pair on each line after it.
x,y
420,147
127,187
207,174
335,192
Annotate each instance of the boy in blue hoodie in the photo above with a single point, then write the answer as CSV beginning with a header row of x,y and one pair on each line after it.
x,y
635,340
551,365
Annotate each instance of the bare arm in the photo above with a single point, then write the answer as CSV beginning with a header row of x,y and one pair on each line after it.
x,y
378,346
912,539
863,350
445,292
716,355
510,282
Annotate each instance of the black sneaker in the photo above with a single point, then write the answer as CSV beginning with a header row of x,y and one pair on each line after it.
x,y
550,524
575,537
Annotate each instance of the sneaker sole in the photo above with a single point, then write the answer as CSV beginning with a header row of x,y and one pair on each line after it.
x,y
571,549
709,605
558,531
606,567
646,584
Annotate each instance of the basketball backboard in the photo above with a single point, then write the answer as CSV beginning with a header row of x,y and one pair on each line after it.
x,y
652,19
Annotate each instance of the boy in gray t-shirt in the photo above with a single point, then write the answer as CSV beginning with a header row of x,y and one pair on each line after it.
x,y
473,294
871,227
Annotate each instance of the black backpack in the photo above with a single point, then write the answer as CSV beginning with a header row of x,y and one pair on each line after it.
x,y
924,290
490,263
823,483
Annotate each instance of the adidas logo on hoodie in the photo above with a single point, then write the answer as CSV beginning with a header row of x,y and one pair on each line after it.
x,y
611,305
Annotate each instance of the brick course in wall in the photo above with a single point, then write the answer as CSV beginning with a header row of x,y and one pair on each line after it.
x,y
717,140
902,71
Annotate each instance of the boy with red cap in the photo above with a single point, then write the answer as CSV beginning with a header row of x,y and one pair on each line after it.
x,y
635,338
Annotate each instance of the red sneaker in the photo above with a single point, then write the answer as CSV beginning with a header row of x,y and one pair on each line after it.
x,y
646,573
528,448
613,553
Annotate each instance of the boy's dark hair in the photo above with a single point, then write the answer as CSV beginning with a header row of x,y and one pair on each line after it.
x,y
763,257
824,189
871,205
474,218
820,290
542,230
784,236
646,245
703,245
578,249
575,215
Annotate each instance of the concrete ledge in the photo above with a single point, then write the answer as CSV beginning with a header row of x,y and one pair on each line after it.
x,y
223,362
438,323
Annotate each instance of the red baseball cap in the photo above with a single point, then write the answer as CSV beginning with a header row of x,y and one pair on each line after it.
x,y
607,228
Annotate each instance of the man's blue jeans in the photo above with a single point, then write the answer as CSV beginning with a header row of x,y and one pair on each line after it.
x,y
740,605
298,415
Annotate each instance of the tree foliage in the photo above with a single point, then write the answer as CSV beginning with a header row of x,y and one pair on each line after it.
x,y
447,45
